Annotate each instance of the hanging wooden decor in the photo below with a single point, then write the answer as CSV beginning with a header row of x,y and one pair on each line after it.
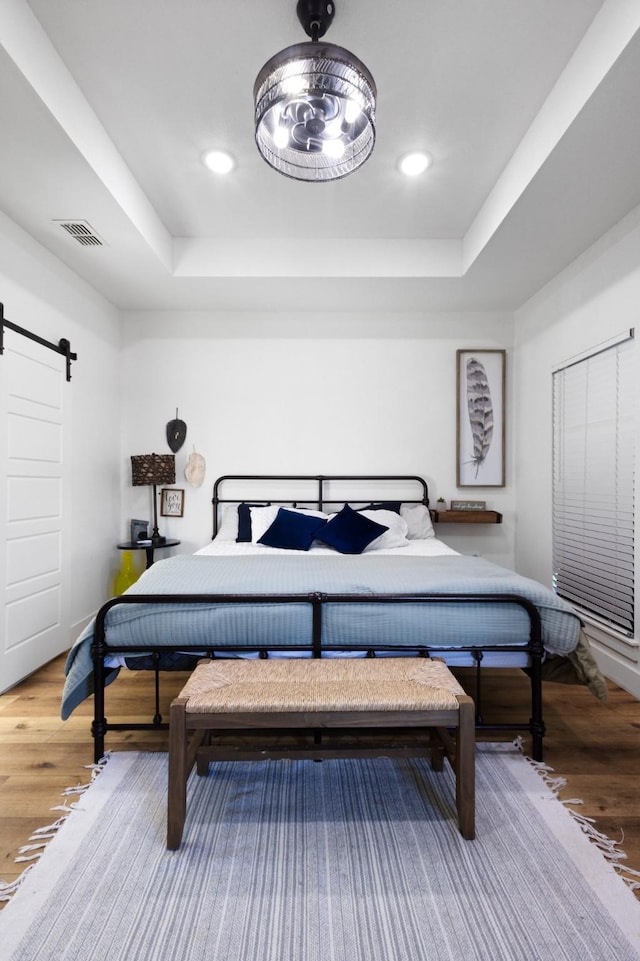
x,y
176,433
195,469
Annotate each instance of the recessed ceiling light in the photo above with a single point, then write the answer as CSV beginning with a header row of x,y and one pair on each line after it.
x,y
218,161
413,164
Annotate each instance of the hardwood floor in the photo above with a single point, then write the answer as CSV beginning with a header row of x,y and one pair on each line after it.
x,y
596,747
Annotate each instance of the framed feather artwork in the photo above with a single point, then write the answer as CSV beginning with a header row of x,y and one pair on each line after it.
x,y
480,418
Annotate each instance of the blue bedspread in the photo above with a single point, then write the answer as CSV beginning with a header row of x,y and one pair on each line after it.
x,y
272,625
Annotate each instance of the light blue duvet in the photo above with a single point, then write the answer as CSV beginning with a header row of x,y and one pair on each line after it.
x,y
363,625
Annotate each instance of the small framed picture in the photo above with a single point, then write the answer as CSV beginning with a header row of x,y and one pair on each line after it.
x,y
480,404
171,502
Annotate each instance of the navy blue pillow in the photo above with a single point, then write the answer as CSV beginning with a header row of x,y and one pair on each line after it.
x,y
350,532
292,531
244,523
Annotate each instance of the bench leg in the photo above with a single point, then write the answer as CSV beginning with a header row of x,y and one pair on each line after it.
x,y
177,774
466,769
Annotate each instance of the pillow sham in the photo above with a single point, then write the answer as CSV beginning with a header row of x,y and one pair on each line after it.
x,y
417,517
244,522
394,536
349,531
235,524
228,528
383,506
292,530
418,521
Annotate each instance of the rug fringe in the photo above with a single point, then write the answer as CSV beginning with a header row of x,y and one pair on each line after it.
x,y
9,888
608,846
42,835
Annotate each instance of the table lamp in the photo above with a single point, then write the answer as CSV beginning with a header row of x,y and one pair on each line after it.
x,y
153,469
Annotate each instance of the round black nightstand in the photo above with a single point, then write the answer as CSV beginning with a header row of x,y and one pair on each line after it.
x,y
148,547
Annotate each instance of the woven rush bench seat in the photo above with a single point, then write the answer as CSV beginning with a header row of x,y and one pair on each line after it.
x,y
314,694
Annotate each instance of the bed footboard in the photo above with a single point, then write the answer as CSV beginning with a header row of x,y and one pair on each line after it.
x,y
313,646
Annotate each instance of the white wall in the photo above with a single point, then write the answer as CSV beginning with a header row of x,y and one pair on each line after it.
x,y
42,295
274,393
593,300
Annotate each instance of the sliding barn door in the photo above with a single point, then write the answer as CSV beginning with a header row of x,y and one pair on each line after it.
x,y
33,436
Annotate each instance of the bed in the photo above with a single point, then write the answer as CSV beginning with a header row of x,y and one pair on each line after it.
x,y
325,566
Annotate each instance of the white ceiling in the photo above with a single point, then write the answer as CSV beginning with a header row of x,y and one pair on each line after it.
x,y
528,107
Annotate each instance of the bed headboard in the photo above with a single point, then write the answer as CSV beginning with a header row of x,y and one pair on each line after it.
x,y
317,491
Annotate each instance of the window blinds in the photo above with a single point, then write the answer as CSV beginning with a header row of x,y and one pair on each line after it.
x,y
593,483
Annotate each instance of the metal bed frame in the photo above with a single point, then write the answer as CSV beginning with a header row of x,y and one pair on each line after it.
x,y
313,645
319,484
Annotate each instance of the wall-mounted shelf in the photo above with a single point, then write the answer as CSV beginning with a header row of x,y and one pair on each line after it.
x,y
466,517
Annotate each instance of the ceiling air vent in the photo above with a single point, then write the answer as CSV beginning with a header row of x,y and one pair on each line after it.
x,y
81,231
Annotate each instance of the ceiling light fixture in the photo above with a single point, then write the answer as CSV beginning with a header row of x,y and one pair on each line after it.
x,y
315,104
218,161
414,164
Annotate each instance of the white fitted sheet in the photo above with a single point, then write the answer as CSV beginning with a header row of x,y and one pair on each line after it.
x,y
429,547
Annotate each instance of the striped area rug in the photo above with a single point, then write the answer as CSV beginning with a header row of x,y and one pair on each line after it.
x,y
348,860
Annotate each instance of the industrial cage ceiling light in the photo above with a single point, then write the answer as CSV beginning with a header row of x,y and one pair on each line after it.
x,y
315,104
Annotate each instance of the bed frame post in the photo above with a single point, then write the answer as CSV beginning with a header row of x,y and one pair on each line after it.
x,y
536,651
536,722
99,726
99,650
157,717
477,657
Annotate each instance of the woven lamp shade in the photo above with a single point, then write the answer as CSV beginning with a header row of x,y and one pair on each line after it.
x,y
153,469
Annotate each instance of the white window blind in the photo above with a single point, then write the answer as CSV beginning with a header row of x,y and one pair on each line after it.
x,y
593,483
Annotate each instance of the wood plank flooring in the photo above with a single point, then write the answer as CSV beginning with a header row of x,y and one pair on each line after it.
x,y
595,747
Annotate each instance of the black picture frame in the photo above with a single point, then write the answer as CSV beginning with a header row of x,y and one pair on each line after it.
x,y
480,417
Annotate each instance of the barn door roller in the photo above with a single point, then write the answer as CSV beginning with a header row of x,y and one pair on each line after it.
x,y
62,347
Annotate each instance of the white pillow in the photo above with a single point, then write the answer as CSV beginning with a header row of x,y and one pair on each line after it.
x,y
228,529
263,517
418,521
261,520
396,536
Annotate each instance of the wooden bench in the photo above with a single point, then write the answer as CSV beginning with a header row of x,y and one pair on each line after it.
x,y
319,695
